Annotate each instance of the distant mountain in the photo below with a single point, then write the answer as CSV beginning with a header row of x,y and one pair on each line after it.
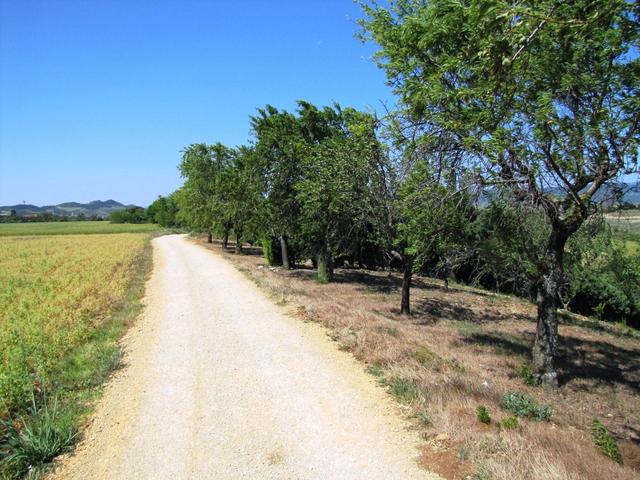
x,y
608,195
97,207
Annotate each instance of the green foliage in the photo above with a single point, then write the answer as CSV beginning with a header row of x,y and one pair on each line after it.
x,y
526,374
271,250
522,405
482,414
537,98
375,370
35,440
129,215
434,221
509,422
603,278
221,191
164,210
605,441
403,389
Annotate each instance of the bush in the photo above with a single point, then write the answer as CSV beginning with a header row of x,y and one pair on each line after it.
x,y
129,215
605,441
522,405
483,414
271,250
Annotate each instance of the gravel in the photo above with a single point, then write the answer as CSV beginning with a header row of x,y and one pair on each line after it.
x,y
220,383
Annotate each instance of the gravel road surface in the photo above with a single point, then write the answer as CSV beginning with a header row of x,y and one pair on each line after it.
x,y
220,383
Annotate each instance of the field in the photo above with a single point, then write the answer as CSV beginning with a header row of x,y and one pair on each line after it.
x,y
64,302
464,348
625,220
626,226
73,228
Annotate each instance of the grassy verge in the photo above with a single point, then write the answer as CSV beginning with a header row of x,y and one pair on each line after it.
x,y
63,316
459,368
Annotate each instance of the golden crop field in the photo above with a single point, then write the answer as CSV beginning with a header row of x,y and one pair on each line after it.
x,y
56,293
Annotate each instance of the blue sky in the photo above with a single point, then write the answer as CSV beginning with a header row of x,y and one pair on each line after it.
x,y
97,98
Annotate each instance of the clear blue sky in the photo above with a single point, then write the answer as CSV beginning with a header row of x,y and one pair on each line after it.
x,y
97,98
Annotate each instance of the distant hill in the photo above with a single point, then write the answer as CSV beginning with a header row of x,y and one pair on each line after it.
x,y
97,207
629,192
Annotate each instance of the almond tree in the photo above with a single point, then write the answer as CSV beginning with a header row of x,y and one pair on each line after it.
x,y
203,203
542,97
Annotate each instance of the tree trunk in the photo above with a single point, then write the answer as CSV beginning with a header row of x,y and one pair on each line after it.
x,y
325,267
284,248
446,273
209,237
238,243
546,344
407,276
225,239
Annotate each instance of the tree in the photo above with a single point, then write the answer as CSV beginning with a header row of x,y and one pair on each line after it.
x,y
433,226
204,204
334,194
129,215
542,97
242,202
278,143
163,211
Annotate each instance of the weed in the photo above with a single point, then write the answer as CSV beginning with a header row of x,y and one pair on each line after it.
x,y
375,370
605,441
392,331
526,374
509,422
456,365
403,389
482,414
463,453
424,418
424,356
35,440
522,405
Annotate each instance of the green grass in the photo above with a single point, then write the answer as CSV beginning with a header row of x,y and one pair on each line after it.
x,y
32,442
403,389
632,246
73,228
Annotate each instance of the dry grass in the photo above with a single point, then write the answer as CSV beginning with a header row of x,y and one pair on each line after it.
x,y
463,348
55,293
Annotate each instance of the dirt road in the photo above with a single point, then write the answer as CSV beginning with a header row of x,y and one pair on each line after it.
x,y
220,383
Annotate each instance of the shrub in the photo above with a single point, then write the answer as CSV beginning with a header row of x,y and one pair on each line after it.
x,y
509,422
271,250
522,405
483,414
605,441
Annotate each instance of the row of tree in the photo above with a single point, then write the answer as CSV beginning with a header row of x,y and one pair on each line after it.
x,y
512,120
